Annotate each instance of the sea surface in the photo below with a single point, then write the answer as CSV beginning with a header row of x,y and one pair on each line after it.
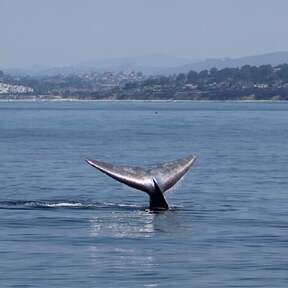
x,y
64,224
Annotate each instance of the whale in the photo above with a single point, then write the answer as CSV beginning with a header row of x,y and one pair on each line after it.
x,y
154,180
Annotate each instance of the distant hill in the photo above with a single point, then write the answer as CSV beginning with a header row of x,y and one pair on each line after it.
x,y
148,64
153,64
274,59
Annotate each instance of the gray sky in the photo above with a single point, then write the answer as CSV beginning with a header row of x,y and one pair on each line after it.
x,y
61,32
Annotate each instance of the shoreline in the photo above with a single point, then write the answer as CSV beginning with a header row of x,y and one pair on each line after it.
x,y
143,101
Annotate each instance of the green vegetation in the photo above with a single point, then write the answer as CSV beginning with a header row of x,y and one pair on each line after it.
x,y
246,83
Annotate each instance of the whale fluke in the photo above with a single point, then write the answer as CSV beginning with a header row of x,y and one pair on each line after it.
x,y
154,181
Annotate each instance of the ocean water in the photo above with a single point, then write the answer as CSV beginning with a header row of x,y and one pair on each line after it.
x,y
64,224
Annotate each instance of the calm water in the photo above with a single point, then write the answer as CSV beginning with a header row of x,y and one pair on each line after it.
x,y
63,224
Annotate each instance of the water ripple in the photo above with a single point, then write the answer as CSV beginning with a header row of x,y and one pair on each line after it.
x,y
42,204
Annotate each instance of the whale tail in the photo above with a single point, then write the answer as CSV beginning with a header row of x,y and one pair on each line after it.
x,y
154,181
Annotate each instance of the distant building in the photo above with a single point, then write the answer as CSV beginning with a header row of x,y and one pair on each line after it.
x,y
14,89
261,86
191,86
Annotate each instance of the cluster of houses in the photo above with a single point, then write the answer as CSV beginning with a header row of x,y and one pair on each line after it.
x,y
15,89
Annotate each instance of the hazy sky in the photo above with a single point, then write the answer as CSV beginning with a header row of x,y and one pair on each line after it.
x,y
61,32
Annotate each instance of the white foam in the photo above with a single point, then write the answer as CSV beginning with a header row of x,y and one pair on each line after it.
x,y
64,204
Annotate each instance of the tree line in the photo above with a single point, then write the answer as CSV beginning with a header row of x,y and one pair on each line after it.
x,y
256,74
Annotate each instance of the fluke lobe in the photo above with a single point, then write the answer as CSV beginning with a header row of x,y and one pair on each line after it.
x,y
154,181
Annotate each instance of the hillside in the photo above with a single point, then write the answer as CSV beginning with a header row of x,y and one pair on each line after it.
x,y
157,64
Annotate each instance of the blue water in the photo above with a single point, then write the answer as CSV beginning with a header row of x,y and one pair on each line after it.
x,y
63,224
